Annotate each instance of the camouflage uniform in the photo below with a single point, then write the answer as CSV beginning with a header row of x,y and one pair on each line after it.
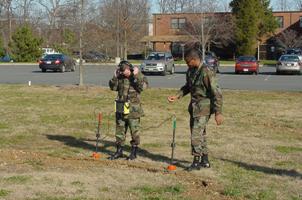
x,y
128,89
206,99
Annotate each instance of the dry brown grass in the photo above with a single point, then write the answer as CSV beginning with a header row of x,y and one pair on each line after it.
x,y
47,136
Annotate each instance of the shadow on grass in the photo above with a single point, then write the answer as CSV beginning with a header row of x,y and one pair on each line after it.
x,y
266,170
84,144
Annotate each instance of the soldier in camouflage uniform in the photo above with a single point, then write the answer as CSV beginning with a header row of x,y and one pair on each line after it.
x,y
206,99
129,83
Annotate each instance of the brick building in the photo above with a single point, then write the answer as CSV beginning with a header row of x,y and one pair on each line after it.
x,y
168,32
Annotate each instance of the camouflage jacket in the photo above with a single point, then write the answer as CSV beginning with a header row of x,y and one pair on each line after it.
x,y
129,89
206,96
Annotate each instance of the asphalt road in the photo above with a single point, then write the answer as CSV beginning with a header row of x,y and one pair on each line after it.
x,y
100,75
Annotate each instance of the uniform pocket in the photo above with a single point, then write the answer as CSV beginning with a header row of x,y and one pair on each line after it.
x,y
200,108
136,111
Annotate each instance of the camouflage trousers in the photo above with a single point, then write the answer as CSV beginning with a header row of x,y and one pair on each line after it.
x,y
122,125
198,135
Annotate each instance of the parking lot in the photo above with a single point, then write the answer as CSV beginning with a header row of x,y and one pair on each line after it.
x,y
100,75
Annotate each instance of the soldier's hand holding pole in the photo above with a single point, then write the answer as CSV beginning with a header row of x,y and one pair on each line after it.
x,y
172,98
218,119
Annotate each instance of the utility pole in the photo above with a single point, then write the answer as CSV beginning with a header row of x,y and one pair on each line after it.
x,y
202,38
81,45
118,29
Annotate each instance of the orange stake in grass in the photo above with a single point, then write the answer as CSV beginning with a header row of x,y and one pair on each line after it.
x,y
172,167
95,154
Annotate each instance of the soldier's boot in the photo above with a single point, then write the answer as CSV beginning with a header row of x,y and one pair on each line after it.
x,y
118,153
205,161
195,164
132,155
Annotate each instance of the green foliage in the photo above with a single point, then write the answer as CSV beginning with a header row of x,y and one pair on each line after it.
x,y
158,193
4,193
2,52
246,26
286,149
68,42
253,19
25,47
267,23
17,179
233,191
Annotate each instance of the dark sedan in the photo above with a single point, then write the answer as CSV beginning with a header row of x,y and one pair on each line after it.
x,y
57,62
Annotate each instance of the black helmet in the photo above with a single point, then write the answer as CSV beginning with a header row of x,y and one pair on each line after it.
x,y
123,64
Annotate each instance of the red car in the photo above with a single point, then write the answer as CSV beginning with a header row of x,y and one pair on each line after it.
x,y
247,64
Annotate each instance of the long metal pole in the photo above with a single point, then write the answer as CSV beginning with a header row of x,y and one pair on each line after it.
x,y
173,140
118,30
81,45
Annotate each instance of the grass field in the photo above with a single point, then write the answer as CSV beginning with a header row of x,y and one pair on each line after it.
x,y
48,135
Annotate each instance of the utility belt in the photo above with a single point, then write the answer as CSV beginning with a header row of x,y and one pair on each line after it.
x,y
122,107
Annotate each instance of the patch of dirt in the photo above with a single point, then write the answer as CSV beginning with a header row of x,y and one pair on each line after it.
x,y
18,161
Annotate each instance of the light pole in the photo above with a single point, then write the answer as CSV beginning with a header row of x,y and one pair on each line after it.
x,y
81,45
183,51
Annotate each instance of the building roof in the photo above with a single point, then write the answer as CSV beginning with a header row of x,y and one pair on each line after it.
x,y
167,38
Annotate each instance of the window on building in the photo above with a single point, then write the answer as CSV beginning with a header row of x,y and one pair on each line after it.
x,y
174,23
280,21
177,23
181,22
300,21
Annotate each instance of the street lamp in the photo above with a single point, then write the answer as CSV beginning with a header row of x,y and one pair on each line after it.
x,y
183,51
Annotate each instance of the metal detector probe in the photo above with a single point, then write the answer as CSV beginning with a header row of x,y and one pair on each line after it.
x,y
95,154
172,167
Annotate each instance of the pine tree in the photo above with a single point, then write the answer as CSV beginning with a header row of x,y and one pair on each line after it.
x,y
246,29
267,23
254,20
25,47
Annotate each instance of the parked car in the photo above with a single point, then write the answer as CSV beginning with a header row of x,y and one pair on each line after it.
x,y
289,64
294,51
57,62
213,62
94,56
247,64
158,62
76,57
6,58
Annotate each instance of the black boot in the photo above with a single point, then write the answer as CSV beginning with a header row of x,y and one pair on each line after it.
x,y
118,153
205,161
132,155
195,165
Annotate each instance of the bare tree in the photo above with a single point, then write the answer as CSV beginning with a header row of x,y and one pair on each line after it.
x,y
299,4
8,9
283,5
133,18
24,7
52,8
81,82
175,6
125,24
208,27
289,39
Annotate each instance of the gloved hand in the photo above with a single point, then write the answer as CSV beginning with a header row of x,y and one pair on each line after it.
x,y
135,71
115,73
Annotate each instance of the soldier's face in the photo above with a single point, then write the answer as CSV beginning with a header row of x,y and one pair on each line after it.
x,y
193,62
127,72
